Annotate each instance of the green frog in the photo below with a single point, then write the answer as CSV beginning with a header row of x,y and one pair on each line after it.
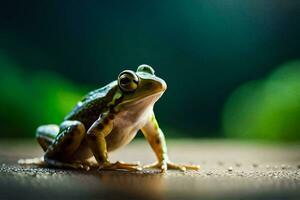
x,y
105,120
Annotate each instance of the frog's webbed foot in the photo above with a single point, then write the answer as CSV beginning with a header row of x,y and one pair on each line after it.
x,y
32,161
119,165
163,166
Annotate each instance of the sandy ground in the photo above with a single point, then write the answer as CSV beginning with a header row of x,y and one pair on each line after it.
x,y
230,170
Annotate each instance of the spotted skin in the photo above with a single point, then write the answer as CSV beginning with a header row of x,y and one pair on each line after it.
x,y
94,104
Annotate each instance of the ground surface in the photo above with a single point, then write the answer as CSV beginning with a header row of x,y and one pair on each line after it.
x,y
230,170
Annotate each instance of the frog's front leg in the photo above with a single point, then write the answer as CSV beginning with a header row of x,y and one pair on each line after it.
x,y
97,143
156,139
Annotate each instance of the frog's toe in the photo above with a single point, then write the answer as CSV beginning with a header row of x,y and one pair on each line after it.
x,y
152,166
183,167
129,164
122,166
163,166
176,167
192,167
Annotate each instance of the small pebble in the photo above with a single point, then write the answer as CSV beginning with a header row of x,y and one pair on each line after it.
x,y
255,165
238,164
230,169
298,166
283,166
209,173
220,163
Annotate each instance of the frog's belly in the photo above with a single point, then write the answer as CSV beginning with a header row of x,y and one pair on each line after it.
x,y
121,135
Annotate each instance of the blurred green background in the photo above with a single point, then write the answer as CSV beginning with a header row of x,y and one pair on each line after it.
x,y
231,66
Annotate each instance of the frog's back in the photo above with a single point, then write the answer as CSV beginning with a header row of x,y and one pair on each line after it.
x,y
92,105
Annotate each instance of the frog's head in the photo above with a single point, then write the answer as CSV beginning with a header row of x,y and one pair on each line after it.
x,y
140,85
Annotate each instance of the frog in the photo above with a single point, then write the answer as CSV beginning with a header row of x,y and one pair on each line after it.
x,y
105,120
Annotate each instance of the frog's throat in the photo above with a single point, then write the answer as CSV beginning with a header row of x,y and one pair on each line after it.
x,y
147,100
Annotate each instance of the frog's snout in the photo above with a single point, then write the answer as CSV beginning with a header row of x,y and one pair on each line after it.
x,y
158,85
163,85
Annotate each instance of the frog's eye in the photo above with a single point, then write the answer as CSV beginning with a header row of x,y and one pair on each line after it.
x,y
146,69
128,81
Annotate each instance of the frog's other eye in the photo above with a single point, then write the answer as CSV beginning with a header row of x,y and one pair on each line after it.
x,y
146,69
128,81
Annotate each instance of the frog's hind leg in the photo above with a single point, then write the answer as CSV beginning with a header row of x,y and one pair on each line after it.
x,y
59,143
60,152
45,135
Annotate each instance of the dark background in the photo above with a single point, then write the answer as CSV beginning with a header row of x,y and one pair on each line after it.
x,y
53,52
